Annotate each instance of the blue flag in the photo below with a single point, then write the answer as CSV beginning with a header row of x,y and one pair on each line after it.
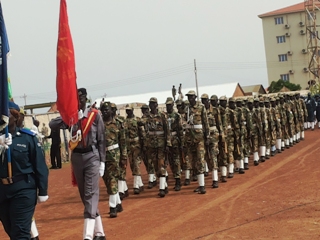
x,y
4,98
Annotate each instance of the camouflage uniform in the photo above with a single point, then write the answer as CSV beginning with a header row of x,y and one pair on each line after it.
x,y
185,164
248,128
264,131
270,125
233,136
289,122
196,132
223,148
212,149
240,142
304,115
276,130
176,138
142,131
256,131
116,154
157,139
134,149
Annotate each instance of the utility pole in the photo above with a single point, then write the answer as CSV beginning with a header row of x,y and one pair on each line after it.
x,y
195,73
25,99
311,9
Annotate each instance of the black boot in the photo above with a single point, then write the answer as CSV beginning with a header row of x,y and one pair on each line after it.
x,y
202,190
267,156
187,182
113,212
177,186
136,191
161,193
223,179
141,189
256,163
126,193
215,184
150,185
166,190
241,171
119,208
121,196
230,175
206,174
99,238
246,166
35,238
194,178
262,159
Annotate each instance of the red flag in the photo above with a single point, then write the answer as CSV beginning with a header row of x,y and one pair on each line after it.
x,y
67,94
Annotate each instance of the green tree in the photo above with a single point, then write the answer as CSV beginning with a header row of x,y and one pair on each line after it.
x,y
276,86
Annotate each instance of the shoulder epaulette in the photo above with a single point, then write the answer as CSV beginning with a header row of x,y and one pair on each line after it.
x,y
27,131
119,120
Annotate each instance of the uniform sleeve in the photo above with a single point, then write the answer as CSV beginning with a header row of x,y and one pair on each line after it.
x,y
180,130
57,123
205,122
101,138
166,130
39,166
122,141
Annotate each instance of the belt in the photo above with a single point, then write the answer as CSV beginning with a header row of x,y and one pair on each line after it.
x,y
83,150
213,128
156,133
194,126
115,146
173,133
7,181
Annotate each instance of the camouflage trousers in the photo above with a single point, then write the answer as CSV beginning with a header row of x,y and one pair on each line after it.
x,y
273,135
292,130
238,148
174,161
112,171
186,164
246,147
284,130
230,145
222,156
212,150
134,156
255,143
268,139
156,161
196,156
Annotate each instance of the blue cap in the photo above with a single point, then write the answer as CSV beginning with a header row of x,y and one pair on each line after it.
x,y
14,106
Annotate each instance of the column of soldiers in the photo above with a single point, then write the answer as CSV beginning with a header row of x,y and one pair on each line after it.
x,y
221,134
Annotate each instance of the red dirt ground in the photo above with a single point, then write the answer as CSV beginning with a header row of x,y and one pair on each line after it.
x,y
278,199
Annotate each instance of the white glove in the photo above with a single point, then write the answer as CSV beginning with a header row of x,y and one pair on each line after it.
x,y
42,199
6,141
80,114
101,169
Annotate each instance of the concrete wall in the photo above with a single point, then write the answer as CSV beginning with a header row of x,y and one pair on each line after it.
x,y
295,43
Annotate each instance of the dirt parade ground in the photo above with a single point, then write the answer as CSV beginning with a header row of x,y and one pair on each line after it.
x,y
279,199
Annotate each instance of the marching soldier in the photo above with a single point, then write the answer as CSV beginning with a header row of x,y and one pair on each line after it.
x,y
304,114
116,156
134,148
177,141
186,165
233,137
212,149
223,148
157,143
264,130
197,133
122,183
257,128
276,131
270,125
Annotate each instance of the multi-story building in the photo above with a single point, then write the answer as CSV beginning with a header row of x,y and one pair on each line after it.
x,y
286,41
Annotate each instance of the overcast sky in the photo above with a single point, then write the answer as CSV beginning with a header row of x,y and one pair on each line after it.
x,y
137,46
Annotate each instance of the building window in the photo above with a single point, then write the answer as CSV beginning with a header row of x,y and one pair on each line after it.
x,y
281,39
278,20
285,77
283,57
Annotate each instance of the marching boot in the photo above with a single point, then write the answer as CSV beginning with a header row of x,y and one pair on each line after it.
x,y
231,168
35,238
88,228
119,207
241,169
98,229
215,184
223,174
202,189
150,183
177,186
136,189
162,186
187,177
113,212
246,163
